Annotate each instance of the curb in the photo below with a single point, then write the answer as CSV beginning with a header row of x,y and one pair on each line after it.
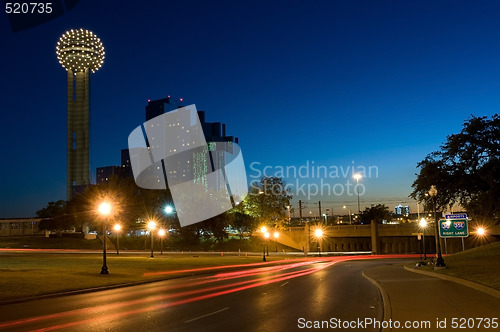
x,y
84,291
100,288
471,284
387,315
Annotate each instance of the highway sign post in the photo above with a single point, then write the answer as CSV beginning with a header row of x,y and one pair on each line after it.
x,y
453,228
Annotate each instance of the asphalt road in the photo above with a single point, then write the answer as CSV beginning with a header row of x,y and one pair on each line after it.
x,y
272,298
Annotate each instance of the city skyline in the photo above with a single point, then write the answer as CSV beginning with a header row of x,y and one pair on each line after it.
x,y
336,84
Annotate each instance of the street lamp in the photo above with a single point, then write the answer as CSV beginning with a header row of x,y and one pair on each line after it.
x,y
276,236
423,225
264,232
161,234
151,227
318,234
439,260
168,209
357,176
117,228
481,231
289,216
104,209
267,235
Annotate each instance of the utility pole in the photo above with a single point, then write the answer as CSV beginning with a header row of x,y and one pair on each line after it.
x,y
320,215
300,210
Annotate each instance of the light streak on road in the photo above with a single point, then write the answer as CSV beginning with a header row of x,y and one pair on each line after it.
x,y
266,275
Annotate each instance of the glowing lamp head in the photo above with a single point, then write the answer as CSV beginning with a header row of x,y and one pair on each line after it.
x,y
276,235
117,227
433,191
357,176
423,223
481,231
161,232
104,209
168,209
151,225
318,233
80,49
263,229
266,235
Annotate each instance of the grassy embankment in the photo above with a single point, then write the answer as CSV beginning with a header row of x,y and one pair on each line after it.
x,y
30,274
480,265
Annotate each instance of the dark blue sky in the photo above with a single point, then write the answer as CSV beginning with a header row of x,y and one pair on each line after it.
x,y
377,83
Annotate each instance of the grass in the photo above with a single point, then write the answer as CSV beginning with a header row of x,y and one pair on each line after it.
x,y
480,265
30,274
42,242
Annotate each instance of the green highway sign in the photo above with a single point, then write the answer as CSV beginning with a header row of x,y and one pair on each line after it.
x,y
453,228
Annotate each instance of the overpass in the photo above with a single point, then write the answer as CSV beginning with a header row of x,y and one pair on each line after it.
x,y
379,238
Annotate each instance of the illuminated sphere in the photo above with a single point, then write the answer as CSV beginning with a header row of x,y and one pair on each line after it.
x,y
80,49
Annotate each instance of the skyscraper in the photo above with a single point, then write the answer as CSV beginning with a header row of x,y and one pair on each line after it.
x,y
199,162
79,52
402,210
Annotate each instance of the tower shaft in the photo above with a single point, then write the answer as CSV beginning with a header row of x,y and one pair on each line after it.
x,y
78,170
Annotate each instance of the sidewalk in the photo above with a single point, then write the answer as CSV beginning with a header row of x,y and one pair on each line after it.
x,y
409,296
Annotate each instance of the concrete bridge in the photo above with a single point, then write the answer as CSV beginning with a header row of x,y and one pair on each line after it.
x,y
379,238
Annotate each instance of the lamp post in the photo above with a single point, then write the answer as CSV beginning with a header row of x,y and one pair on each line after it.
x,y
161,234
289,216
117,229
276,236
151,227
267,236
350,220
358,176
423,225
263,230
318,233
439,260
104,210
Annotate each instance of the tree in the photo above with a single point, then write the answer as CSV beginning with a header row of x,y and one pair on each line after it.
x,y
216,226
466,170
267,201
53,214
243,223
52,210
378,213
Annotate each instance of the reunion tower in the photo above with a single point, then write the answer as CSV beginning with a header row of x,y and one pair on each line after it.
x,y
79,51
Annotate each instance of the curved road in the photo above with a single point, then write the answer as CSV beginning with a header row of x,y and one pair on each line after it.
x,y
267,298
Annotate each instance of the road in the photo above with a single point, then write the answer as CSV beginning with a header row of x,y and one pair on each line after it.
x,y
268,298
